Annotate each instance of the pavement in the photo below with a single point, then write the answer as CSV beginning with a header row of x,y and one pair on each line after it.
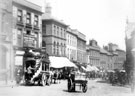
x,y
96,87
9,83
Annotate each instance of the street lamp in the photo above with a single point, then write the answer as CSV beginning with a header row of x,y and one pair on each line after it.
x,y
133,70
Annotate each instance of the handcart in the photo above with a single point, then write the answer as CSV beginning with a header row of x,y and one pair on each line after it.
x,y
77,80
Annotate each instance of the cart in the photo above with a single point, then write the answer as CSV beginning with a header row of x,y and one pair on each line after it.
x,y
36,69
75,80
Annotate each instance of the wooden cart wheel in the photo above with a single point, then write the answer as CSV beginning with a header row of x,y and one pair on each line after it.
x,y
44,80
84,88
70,84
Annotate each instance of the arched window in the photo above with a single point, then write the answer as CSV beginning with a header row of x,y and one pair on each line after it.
x,y
64,47
61,49
54,49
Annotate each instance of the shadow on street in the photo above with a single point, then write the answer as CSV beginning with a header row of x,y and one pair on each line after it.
x,y
101,81
73,91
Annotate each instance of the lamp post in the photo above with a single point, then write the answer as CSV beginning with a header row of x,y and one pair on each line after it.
x,y
133,71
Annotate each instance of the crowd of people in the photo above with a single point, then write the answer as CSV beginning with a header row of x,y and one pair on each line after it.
x,y
115,77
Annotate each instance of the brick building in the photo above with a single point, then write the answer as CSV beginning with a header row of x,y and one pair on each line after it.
x,y
54,34
26,28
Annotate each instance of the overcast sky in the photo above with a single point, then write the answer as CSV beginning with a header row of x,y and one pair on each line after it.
x,y
102,20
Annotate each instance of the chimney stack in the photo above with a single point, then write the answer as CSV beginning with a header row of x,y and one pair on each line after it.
x,y
48,8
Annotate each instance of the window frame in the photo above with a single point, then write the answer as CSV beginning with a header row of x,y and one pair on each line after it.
x,y
36,20
20,16
28,17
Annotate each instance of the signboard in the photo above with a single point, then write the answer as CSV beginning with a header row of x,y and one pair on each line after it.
x,y
29,41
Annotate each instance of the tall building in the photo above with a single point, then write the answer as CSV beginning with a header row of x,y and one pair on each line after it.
x,y
71,44
26,28
54,34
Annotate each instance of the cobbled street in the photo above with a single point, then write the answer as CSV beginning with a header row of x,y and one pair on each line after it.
x,y
96,87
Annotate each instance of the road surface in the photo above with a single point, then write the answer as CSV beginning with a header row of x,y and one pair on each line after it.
x,y
96,87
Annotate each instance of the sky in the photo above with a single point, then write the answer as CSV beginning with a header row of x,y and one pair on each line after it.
x,y
102,20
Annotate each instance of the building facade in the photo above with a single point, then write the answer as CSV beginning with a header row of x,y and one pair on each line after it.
x,y
120,59
71,44
108,58
93,53
116,56
81,47
54,34
104,59
6,48
26,28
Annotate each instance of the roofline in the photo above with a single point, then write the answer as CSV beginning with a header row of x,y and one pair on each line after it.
x,y
56,21
120,50
80,38
93,47
32,3
71,32
30,7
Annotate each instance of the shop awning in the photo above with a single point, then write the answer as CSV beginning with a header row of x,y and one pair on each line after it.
x,y
59,62
83,68
91,68
95,68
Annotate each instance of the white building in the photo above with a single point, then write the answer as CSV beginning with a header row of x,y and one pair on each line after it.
x,y
71,44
